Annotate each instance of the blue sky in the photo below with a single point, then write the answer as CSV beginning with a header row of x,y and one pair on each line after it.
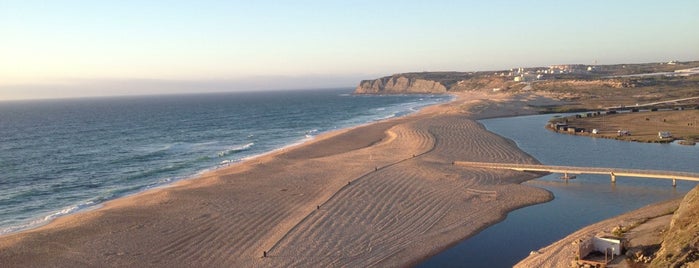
x,y
84,48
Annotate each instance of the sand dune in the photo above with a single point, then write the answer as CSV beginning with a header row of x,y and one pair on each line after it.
x,y
388,196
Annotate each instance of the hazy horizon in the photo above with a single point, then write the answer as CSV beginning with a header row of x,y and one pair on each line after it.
x,y
63,48
146,87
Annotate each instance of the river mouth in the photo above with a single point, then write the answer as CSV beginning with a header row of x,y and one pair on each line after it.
x,y
577,202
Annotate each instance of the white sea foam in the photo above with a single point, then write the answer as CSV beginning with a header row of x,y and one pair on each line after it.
x,y
179,156
48,218
236,149
311,133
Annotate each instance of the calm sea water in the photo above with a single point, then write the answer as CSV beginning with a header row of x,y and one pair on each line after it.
x,y
61,156
578,203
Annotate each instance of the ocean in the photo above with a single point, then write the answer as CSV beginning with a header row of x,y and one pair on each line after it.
x,y
59,157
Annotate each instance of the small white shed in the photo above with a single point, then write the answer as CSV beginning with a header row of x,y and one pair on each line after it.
x,y
664,134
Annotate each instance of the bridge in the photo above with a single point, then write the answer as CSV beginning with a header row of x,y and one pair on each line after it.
x,y
613,172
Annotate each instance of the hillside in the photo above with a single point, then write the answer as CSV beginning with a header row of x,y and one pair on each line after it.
x,y
431,82
577,83
680,246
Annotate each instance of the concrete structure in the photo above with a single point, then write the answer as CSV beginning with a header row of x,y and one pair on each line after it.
x,y
610,244
607,246
567,69
612,172
664,135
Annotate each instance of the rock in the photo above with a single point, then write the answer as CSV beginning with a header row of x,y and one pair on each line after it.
x,y
399,84
680,246
618,230
437,83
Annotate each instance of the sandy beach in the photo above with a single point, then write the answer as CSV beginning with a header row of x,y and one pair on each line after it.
x,y
384,194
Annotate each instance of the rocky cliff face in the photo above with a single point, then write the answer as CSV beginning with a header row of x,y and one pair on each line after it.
x,y
680,247
399,84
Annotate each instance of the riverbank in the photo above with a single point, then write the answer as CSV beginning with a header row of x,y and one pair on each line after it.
x,y
645,227
639,126
658,235
381,194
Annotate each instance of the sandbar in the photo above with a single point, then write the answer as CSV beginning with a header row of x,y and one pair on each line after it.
x,y
383,194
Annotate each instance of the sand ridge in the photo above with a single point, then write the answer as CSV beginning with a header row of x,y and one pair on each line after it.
x,y
388,196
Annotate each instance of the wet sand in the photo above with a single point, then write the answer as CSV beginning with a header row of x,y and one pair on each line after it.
x,y
384,194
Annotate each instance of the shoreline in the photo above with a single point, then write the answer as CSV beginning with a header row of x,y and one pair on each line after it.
x,y
82,207
559,253
396,144
213,169
640,126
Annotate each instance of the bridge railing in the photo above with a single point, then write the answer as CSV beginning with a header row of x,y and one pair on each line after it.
x,y
590,170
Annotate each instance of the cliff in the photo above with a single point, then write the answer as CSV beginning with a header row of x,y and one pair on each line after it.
x,y
399,84
680,246
432,82
587,80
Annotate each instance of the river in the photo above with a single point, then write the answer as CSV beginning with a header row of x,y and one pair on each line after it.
x,y
577,203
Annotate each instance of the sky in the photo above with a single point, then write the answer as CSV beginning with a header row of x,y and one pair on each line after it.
x,y
61,48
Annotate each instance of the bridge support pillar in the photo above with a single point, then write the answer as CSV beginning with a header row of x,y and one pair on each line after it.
x,y
613,177
674,182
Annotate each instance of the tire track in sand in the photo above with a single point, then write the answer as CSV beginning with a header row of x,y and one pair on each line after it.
x,y
347,226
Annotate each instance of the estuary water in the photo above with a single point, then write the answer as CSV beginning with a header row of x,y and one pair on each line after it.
x,y
577,203
62,156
